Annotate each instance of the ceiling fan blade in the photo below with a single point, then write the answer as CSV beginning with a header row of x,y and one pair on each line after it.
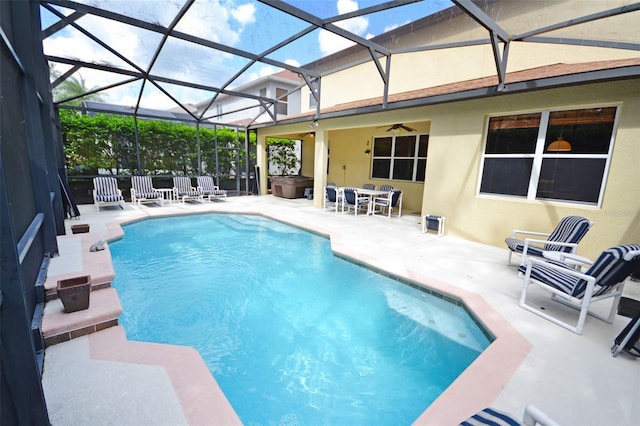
x,y
401,126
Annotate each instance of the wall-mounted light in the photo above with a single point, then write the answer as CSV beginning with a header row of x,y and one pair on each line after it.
x,y
559,145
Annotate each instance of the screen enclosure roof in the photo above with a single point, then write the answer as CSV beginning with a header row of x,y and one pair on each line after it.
x,y
174,56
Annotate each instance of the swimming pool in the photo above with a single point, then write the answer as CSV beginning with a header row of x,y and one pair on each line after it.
x,y
291,333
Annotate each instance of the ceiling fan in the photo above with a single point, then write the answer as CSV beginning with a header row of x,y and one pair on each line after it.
x,y
400,126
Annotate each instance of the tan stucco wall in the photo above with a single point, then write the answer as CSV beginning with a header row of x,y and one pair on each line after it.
x,y
308,149
420,70
416,70
455,157
350,166
347,141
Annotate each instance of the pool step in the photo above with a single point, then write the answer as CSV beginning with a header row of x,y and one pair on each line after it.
x,y
77,259
103,312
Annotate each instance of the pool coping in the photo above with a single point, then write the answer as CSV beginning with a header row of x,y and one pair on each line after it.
x,y
476,388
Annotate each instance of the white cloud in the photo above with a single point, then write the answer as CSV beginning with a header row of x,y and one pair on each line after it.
x,y
330,42
268,70
292,62
207,19
244,14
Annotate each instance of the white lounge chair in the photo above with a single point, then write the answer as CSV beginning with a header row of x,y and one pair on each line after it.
x,y
565,238
106,192
183,190
490,416
603,280
209,190
142,191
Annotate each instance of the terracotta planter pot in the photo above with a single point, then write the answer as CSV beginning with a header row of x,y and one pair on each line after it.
x,y
74,293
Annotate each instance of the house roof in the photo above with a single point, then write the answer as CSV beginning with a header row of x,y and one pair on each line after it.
x,y
526,80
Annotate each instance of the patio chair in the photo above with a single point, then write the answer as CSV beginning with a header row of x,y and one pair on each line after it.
x,y
142,191
106,192
388,203
350,198
209,190
182,189
629,338
386,188
332,197
369,186
603,280
565,238
490,416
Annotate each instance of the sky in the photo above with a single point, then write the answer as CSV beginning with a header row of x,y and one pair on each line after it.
x,y
243,24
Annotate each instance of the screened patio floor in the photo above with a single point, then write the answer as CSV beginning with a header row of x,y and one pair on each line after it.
x,y
102,379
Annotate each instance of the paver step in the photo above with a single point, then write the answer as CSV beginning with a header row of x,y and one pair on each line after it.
x,y
103,312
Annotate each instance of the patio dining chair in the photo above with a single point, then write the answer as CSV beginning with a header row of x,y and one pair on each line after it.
x,y
369,186
386,187
142,191
350,198
209,190
603,280
332,197
182,189
564,238
389,202
106,192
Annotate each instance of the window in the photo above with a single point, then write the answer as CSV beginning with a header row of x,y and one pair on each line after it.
x,y
550,155
313,87
281,103
401,157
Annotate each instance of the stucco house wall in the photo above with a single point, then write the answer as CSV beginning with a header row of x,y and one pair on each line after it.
x,y
457,129
410,71
456,153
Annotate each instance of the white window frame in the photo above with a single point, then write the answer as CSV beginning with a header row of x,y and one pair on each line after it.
x,y
392,157
539,155
282,101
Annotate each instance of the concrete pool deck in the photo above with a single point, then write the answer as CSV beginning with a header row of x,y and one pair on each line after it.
x,y
101,378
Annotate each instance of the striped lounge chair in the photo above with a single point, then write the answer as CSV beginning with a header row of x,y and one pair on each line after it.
x,y
142,191
604,279
209,190
106,192
182,189
564,238
490,416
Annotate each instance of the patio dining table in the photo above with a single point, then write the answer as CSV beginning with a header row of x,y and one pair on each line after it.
x,y
371,193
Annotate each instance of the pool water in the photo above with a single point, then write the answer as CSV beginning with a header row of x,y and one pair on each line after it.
x,y
292,333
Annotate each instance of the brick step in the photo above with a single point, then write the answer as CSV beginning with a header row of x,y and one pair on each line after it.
x,y
103,312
